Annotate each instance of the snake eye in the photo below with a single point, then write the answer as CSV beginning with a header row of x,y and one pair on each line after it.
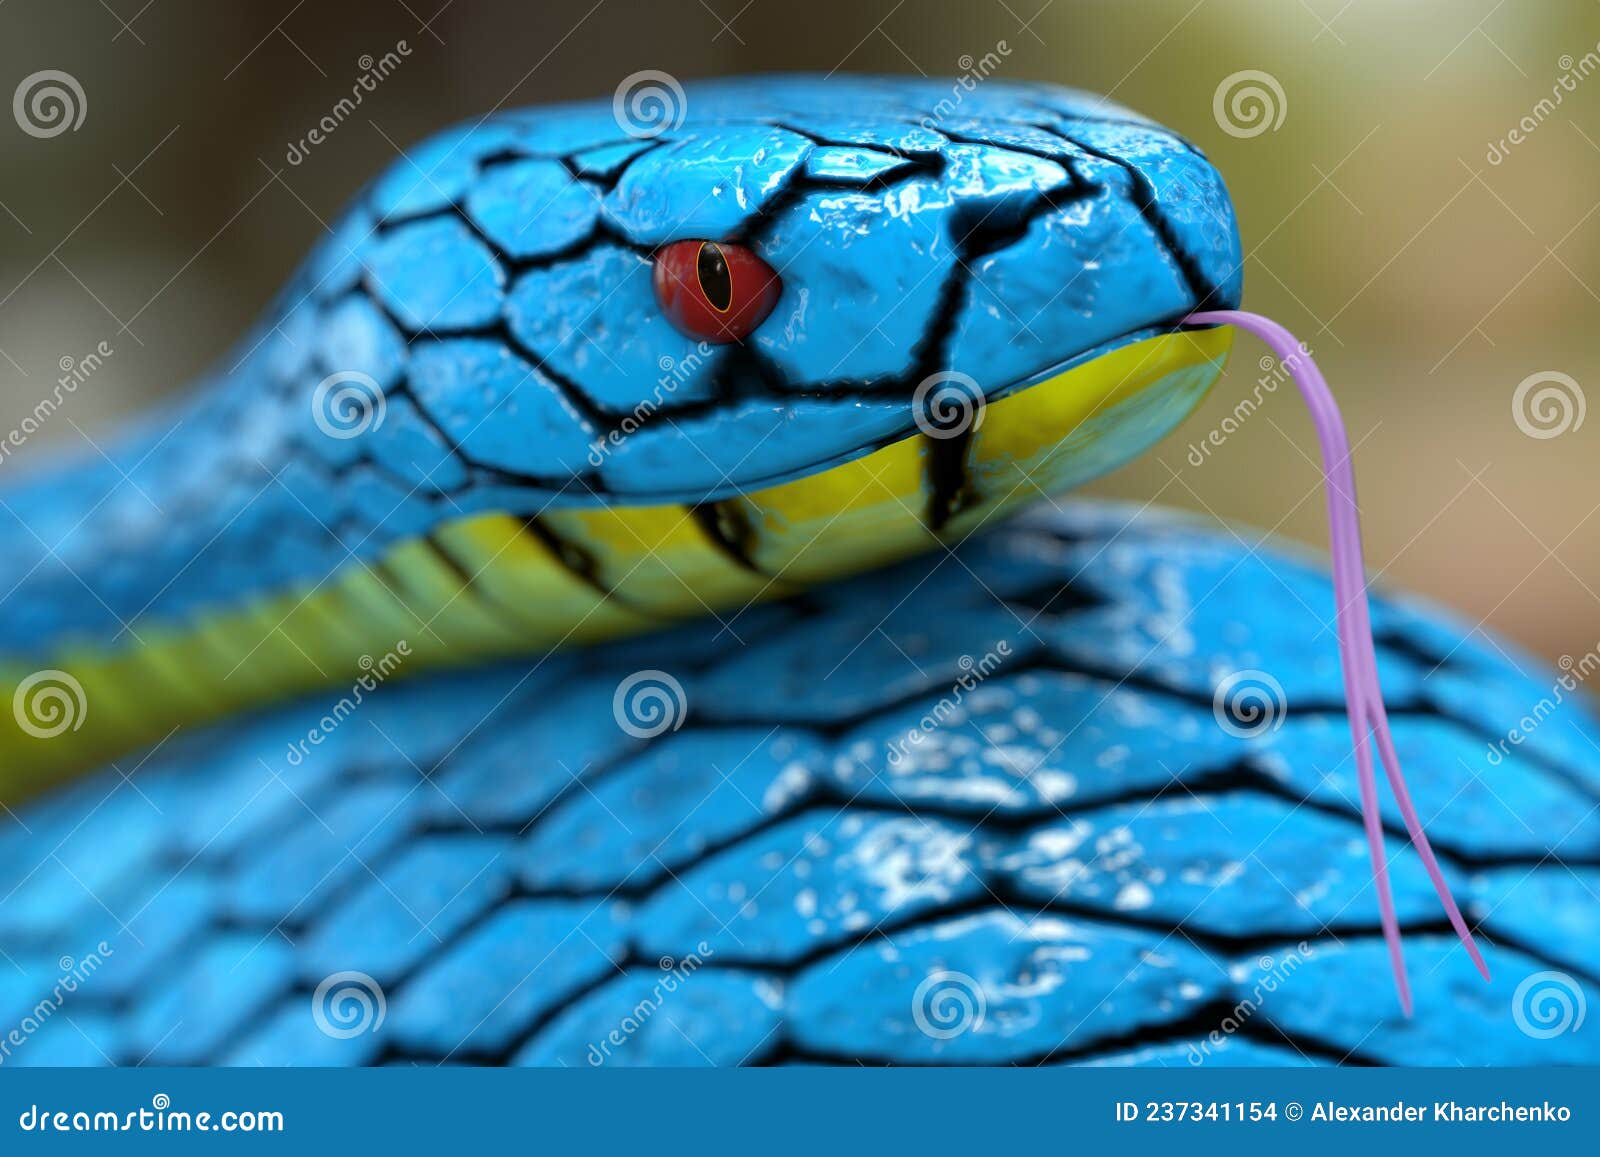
x,y
715,292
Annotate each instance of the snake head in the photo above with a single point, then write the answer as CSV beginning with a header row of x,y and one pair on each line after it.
x,y
760,280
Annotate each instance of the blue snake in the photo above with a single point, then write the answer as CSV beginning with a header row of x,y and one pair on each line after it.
x,y
564,376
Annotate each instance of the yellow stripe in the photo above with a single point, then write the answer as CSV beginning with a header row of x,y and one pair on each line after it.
x,y
547,603
659,560
853,517
1087,422
487,586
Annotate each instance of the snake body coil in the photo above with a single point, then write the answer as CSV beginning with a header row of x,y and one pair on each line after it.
x,y
560,376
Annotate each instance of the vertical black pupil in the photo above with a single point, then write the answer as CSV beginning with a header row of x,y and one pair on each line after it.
x,y
715,282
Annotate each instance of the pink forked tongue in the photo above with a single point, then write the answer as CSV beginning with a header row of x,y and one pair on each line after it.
x,y
1363,696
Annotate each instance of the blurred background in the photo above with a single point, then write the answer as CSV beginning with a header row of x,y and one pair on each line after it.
x,y
1417,187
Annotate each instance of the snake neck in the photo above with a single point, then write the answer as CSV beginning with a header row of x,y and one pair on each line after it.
x,y
222,556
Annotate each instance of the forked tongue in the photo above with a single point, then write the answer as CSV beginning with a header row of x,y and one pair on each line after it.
x,y
1363,696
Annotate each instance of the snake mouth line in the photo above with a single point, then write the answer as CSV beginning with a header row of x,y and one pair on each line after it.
x,y
913,424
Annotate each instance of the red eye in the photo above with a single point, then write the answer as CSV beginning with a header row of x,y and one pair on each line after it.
x,y
718,293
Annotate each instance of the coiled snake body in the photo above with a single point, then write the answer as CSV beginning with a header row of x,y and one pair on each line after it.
x,y
559,378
